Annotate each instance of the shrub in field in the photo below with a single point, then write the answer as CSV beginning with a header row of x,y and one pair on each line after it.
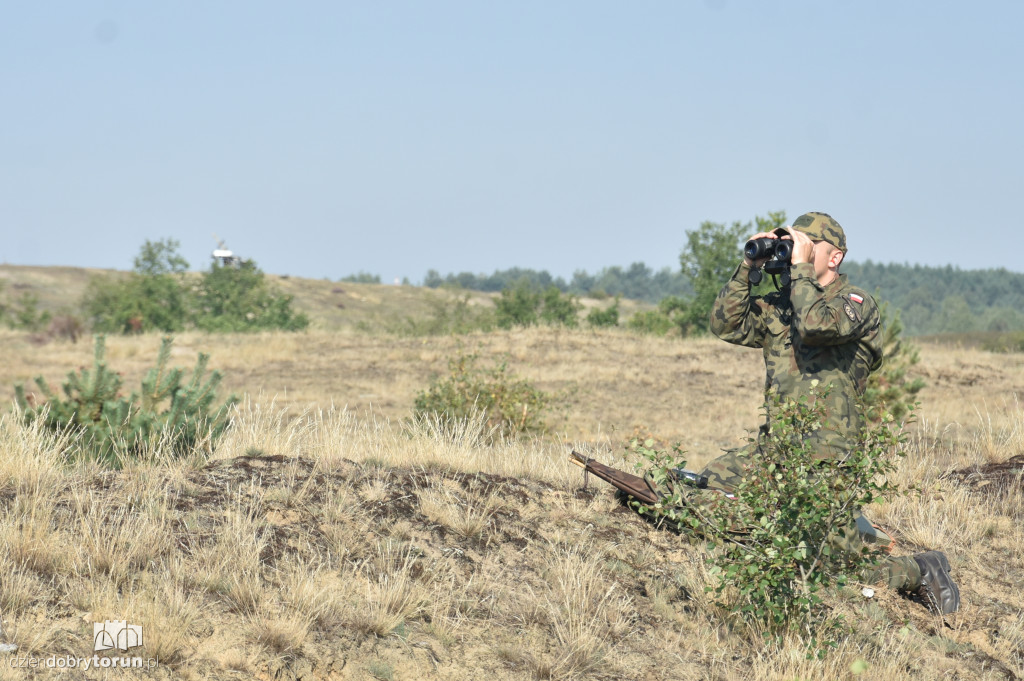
x,y
449,317
673,312
230,298
609,316
517,306
653,322
154,297
559,308
524,305
157,296
180,415
775,553
24,313
512,405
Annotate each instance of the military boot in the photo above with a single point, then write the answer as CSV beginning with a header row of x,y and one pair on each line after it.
x,y
937,589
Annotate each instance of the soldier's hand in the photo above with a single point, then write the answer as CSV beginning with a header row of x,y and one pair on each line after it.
x,y
760,235
803,247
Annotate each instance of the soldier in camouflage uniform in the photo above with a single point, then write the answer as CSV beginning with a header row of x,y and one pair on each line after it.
x,y
819,330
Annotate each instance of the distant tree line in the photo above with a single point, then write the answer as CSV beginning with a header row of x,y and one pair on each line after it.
x,y
636,282
947,299
928,300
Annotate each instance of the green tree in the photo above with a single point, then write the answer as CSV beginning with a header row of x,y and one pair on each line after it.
x,y
154,296
230,298
711,254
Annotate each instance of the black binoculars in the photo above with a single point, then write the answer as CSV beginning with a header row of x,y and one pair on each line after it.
x,y
777,254
776,249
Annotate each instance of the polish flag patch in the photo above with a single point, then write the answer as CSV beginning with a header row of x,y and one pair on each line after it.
x,y
855,298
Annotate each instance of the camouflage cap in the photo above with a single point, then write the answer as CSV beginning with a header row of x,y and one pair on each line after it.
x,y
822,227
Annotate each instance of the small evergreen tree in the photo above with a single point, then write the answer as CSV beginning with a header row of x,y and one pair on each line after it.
x,y
113,428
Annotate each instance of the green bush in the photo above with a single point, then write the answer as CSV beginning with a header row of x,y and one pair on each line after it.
x,y
511,405
608,316
156,296
654,322
774,553
239,298
525,305
153,297
1004,342
559,309
24,312
517,306
180,415
448,317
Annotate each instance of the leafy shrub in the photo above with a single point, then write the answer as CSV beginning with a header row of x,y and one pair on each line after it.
x,y
113,429
449,317
156,296
24,313
518,306
609,316
512,405
524,305
559,309
153,297
230,298
654,322
775,552
1004,342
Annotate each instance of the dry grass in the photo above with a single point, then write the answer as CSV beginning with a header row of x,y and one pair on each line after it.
x,y
329,537
392,594
587,614
466,517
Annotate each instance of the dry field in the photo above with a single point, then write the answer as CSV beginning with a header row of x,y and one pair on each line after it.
x,y
328,539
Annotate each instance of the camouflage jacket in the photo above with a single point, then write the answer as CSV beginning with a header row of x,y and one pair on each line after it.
x,y
831,334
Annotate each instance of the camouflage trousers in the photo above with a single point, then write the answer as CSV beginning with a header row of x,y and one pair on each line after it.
x,y
726,472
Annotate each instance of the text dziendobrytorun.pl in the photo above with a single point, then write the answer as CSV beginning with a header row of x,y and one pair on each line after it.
x,y
85,663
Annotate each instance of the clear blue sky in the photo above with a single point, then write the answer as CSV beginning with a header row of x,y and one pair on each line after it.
x,y
325,138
